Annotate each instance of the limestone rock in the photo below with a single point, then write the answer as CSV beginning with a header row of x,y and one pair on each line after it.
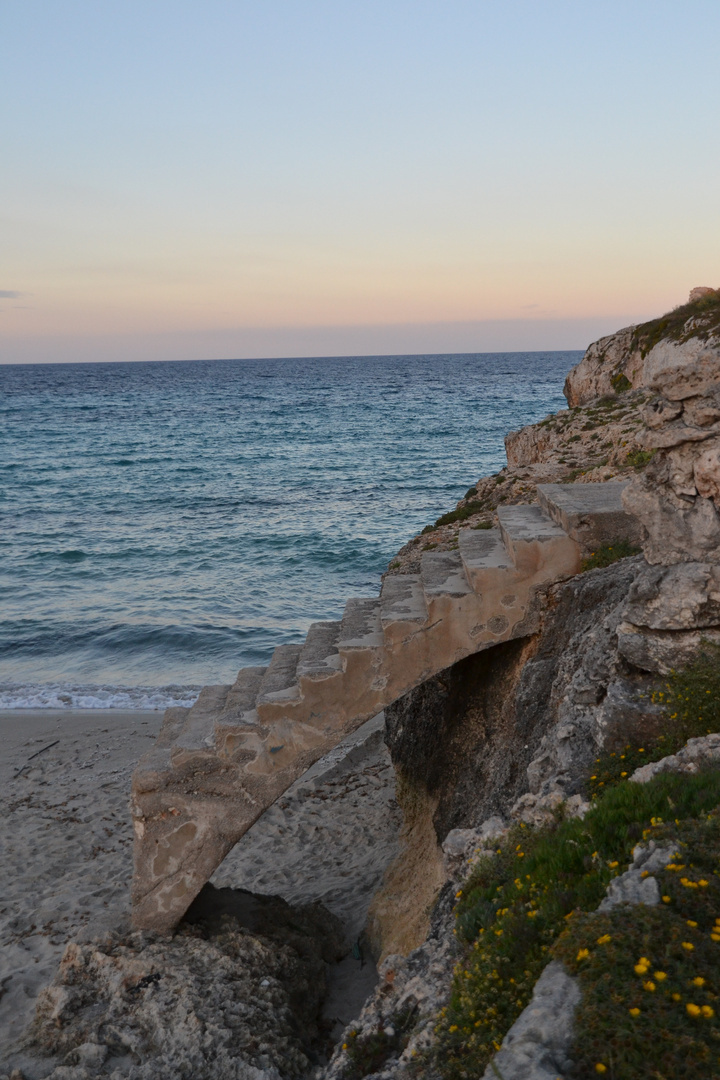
x,y
637,885
411,992
605,360
685,596
696,754
659,651
680,526
536,1046
217,1002
463,847
699,292
537,809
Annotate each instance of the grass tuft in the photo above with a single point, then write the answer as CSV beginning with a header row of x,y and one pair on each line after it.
x,y
607,554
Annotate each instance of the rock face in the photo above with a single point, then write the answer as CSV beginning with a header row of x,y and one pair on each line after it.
x,y
222,1000
511,732
536,1046
671,355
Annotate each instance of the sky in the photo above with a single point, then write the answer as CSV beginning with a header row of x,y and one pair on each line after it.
x,y
342,177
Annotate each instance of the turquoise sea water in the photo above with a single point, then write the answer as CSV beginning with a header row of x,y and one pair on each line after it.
x,y
164,524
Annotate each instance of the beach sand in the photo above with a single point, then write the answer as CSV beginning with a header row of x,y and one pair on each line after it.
x,y
66,846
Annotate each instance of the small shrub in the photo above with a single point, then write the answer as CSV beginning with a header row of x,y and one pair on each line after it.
x,y
620,383
699,319
427,529
639,458
607,554
470,492
461,514
429,547
482,525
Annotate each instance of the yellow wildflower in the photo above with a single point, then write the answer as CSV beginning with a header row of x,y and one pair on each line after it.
x,y
641,969
667,899
677,997
600,1068
634,1012
693,1010
699,981
691,922
604,939
688,945
660,975
707,1011
583,954
649,985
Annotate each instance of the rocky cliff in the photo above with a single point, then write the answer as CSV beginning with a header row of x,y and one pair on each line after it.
x,y
512,735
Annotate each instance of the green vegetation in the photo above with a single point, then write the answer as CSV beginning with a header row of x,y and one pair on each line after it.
x,y
607,554
620,383
470,492
461,514
689,701
482,525
650,982
516,904
651,976
703,317
639,458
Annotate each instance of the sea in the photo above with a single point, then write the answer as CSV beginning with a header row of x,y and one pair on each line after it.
x,y
164,524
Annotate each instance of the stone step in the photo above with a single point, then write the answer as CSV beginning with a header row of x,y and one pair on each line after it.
x,y
243,694
239,714
280,681
361,625
157,760
443,576
536,544
197,731
483,551
402,600
319,656
592,514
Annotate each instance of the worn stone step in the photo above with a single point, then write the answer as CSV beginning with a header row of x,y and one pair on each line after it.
x,y
319,656
483,551
535,543
402,600
280,681
443,575
239,715
197,731
592,514
242,695
157,760
361,625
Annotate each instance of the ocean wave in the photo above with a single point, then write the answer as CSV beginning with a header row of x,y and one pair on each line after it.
x,y
75,696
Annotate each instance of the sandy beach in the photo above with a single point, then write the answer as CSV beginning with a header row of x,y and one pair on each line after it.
x,y
66,846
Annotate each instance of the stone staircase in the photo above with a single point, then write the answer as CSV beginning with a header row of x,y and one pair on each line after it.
x,y
216,767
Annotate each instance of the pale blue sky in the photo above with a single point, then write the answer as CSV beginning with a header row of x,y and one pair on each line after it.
x,y
250,179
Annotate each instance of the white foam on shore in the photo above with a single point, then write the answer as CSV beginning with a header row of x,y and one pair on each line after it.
x,y
74,696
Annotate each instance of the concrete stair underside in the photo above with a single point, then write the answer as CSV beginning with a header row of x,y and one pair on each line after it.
x,y
216,767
